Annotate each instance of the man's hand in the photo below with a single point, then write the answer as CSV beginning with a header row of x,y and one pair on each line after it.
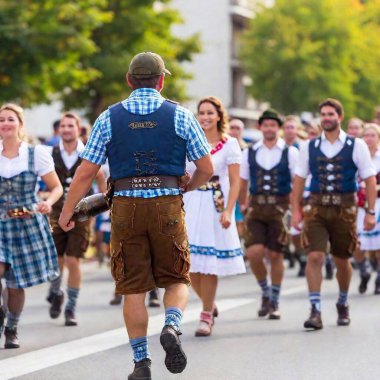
x,y
369,222
183,181
65,221
296,220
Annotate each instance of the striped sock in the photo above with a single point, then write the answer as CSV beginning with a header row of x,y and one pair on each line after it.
x,y
55,285
12,320
364,267
343,296
265,287
140,348
275,294
72,294
173,316
315,300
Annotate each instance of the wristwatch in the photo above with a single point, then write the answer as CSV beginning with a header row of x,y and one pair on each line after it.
x,y
370,212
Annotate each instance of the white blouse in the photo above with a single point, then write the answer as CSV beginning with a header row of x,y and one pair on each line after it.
x,y
43,161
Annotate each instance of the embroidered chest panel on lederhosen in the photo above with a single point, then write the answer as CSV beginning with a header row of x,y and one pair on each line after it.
x,y
332,175
276,181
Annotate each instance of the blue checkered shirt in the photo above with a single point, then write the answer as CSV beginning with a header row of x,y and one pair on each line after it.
x,y
144,101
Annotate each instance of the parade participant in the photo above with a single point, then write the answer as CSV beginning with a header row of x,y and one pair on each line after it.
x,y
146,139
236,130
292,130
355,127
27,253
333,159
70,245
268,166
369,240
214,242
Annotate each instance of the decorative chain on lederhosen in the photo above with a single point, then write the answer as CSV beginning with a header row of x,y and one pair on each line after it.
x,y
213,184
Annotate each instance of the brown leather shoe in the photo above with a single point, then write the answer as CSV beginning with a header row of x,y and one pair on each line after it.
x,y
70,318
264,309
314,321
175,359
343,315
141,371
274,312
11,338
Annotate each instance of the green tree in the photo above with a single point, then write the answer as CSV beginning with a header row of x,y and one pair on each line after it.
x,y
42,45
79,50
303,51
137,25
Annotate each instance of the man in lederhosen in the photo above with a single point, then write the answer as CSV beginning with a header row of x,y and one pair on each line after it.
x,y
146,139
70,245
333,159
268,166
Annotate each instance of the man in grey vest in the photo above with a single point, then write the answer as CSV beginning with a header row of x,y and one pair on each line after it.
x,y
146,139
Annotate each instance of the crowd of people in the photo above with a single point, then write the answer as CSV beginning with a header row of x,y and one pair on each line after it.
x,y
192,201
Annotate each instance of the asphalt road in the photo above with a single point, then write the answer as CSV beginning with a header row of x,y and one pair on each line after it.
x,y
242,345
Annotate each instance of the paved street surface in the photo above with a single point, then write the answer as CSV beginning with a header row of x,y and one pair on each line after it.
x,y
241,347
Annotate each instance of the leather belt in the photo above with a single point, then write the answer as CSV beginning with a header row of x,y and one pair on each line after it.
x,y
147,183
344,200
268,199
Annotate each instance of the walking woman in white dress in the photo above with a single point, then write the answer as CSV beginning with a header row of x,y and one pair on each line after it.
x,y
369,240
210,214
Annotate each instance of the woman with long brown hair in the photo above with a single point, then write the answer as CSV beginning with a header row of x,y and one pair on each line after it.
x,y
214,242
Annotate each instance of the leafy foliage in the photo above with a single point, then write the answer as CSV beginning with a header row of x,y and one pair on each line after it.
x,y
303,51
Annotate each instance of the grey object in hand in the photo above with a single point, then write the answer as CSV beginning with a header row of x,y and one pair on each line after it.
x,y
90,206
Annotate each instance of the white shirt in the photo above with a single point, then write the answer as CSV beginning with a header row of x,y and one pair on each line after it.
x,y
268,158
69,159
43,162
360,155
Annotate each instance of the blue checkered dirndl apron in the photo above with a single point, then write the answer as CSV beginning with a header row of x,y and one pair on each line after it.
x,y
26,244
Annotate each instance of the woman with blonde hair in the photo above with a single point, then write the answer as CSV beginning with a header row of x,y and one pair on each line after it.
x,y
214,242
369,240
27,253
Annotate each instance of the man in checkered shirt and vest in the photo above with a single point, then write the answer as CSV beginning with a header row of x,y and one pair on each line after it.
x,y
146,139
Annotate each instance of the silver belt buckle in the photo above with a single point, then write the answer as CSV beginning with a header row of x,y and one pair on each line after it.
x,y
261,200
325,200
336,200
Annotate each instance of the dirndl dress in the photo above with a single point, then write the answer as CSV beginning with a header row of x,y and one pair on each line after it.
x,y
213,249
26,244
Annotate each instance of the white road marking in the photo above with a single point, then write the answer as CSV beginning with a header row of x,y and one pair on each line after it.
x,y
54,355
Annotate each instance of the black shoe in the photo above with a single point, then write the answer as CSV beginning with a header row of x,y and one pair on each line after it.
x,y
264,309
329,270
49,297
274,312
70,318
377,286
343,315
175,359
116,300
364,282
11,339
301,272
141,371
2,318
153,298
56,305
314,321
